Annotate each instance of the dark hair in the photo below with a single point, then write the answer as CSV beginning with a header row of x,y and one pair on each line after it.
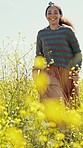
x,y
62,20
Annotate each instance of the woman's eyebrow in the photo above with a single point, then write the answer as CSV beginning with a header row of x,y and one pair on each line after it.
x,y
49,10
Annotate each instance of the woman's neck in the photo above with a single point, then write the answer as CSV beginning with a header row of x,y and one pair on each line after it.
x,y
54,27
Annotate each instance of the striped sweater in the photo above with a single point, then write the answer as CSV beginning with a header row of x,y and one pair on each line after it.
x,y
57,46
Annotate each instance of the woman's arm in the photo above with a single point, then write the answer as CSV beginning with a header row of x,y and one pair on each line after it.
x,y
76,61
37,61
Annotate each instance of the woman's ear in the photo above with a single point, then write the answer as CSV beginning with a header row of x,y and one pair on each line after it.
x,y
60,16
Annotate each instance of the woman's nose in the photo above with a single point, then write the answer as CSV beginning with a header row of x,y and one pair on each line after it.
x,y
53,14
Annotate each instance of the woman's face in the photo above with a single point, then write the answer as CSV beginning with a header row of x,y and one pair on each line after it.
x,y
53,15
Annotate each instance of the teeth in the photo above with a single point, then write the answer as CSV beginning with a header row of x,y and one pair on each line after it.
x,y
53,19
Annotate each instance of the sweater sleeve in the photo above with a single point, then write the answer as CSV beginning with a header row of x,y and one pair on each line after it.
x,y
77,55
39,45
76,61
73,42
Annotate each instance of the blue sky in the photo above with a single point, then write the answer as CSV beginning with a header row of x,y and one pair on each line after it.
x,y
28,17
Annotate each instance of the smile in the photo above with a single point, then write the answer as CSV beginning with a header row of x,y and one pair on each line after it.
x,y
53,19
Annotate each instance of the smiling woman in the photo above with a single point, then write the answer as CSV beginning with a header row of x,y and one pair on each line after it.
x,y
56,13
58,44
53,14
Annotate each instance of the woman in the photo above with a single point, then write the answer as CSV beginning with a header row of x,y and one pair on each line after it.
x,y
58,44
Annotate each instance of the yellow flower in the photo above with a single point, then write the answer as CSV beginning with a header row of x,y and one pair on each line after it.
x,y
35,106
72,68
81,143
56,145
76,145
1,108
33,109
22,113
17,121
52,124
40,62
41,82
61,143
42,107
40,115
60,136
52,61
80,109
74,118
55,111
43,138
46,132
15,136
27,100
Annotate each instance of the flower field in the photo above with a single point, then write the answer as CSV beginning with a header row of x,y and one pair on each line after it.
x,y
25,122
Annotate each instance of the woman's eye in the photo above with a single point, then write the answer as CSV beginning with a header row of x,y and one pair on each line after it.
x,y
49,13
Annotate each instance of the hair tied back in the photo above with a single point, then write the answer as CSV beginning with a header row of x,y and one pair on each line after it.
x,y
51,4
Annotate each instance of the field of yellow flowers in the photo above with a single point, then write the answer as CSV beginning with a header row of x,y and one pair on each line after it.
x,y
25,122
